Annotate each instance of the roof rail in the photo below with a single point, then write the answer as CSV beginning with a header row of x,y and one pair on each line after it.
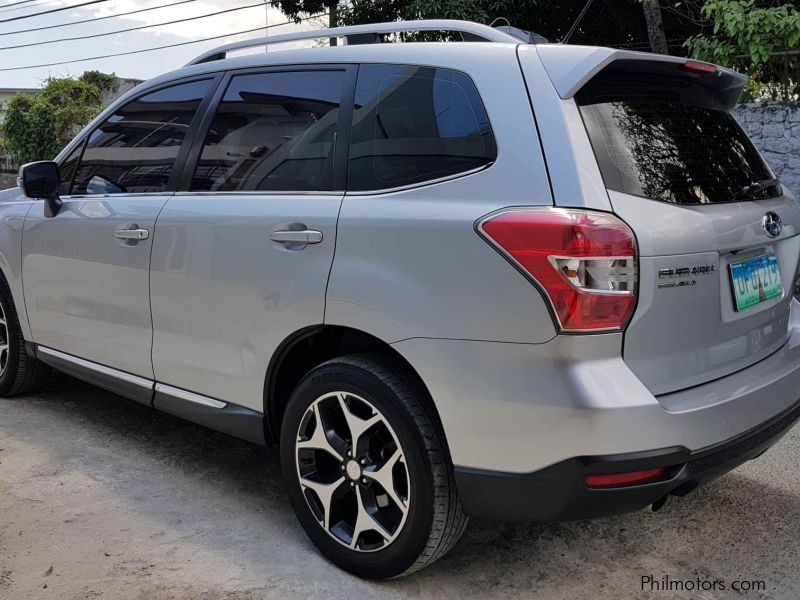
x,y
468,30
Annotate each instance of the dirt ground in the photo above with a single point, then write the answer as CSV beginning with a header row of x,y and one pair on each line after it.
x,y
104,498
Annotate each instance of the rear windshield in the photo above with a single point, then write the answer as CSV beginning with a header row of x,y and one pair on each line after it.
x,y
669,139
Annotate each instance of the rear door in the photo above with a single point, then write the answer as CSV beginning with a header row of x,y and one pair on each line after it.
x,y
718,238
242,256
85,271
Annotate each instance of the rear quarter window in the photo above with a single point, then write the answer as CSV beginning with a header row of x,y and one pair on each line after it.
x,y
669,139
416,124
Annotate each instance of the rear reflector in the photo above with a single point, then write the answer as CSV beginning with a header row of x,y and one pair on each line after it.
x,y
699,67
622,479
585,262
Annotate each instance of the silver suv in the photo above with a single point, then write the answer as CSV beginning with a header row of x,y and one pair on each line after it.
x,y
497,279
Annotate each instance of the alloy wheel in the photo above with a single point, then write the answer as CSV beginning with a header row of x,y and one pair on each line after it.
x,y
352,471
3,340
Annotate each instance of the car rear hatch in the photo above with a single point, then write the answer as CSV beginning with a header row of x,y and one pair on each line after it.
x,y
717,236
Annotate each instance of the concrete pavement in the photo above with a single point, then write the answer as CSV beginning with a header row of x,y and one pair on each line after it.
x,y
104,498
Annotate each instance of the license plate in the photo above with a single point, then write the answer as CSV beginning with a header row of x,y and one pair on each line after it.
x,y
756,280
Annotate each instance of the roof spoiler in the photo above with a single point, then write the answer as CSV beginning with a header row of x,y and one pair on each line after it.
x,y
572,67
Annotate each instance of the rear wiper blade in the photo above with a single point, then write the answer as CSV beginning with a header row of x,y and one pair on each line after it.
x,y
752,190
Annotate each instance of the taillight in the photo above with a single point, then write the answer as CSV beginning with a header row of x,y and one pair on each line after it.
x,y
585,262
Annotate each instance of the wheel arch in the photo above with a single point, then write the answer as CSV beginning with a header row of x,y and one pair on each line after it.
x,y
13,214
312,346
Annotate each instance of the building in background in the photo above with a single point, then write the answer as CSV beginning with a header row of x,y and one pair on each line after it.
x,y
7,93
124,85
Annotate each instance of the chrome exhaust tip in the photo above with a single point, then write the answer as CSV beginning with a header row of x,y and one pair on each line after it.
x,y
658,504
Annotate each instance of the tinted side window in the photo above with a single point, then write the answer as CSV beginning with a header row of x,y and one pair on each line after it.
x,y
273,131
134,150
415,124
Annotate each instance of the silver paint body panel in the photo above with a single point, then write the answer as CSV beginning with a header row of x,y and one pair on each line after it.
x,y
684,336
224,295
13,209
86,291
574,173
409,264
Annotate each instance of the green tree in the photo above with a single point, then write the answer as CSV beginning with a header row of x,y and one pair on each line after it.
x,y
106,82
618,23
37,127
297,9
756,38
29,129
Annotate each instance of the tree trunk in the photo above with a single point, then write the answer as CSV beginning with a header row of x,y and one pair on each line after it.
x,y
333,20
655,26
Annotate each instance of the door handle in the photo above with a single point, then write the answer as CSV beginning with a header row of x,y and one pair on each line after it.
x,y
132,234
306,236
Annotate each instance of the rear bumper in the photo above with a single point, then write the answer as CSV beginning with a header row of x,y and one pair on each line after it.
x,y
558,492
519,408
534,419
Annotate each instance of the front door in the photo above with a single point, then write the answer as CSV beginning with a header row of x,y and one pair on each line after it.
x,y
85,271
242,258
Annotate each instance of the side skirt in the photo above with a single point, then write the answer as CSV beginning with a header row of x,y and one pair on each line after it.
x,y
240,422
224,417
130,386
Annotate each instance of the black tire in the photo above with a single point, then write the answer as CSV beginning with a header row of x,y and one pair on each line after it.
x,y
22,373
435,519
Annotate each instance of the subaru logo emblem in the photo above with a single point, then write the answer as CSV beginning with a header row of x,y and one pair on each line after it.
x,y
772,224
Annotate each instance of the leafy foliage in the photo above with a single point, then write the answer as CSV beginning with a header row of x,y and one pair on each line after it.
x,y
376,11
105,82
296,9
37,127
618,23
755,39
468,10
29,130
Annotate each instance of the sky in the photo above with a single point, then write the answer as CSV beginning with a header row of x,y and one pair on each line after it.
x,y
138,66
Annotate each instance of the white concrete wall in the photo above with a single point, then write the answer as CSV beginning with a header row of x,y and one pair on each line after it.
x,y
775,130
